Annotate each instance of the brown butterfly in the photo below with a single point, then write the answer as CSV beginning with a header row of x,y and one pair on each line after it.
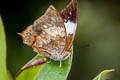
x,y
53,33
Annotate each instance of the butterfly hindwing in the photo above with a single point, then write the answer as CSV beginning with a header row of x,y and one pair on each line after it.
x,y
53,33
47,35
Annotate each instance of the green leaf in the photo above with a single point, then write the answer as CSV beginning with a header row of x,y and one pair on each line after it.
x,y
3,72
9,77
102,74
47,71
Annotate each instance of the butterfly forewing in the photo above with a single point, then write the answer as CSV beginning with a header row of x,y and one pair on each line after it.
x,y
70,16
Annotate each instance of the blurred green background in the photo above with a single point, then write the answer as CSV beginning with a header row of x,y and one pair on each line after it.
x,y
97,41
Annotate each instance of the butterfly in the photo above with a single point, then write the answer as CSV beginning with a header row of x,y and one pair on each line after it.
x,y
53,33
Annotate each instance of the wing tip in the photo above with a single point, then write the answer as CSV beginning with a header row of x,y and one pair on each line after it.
x,y
70,12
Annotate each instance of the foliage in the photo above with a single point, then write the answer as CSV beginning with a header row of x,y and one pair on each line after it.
x,y
47,71
3,71
102,74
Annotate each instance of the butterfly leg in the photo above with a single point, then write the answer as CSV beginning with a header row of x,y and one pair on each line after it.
x,y
49,61
60,64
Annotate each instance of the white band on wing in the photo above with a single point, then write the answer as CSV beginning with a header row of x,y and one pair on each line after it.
x,y
70,27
